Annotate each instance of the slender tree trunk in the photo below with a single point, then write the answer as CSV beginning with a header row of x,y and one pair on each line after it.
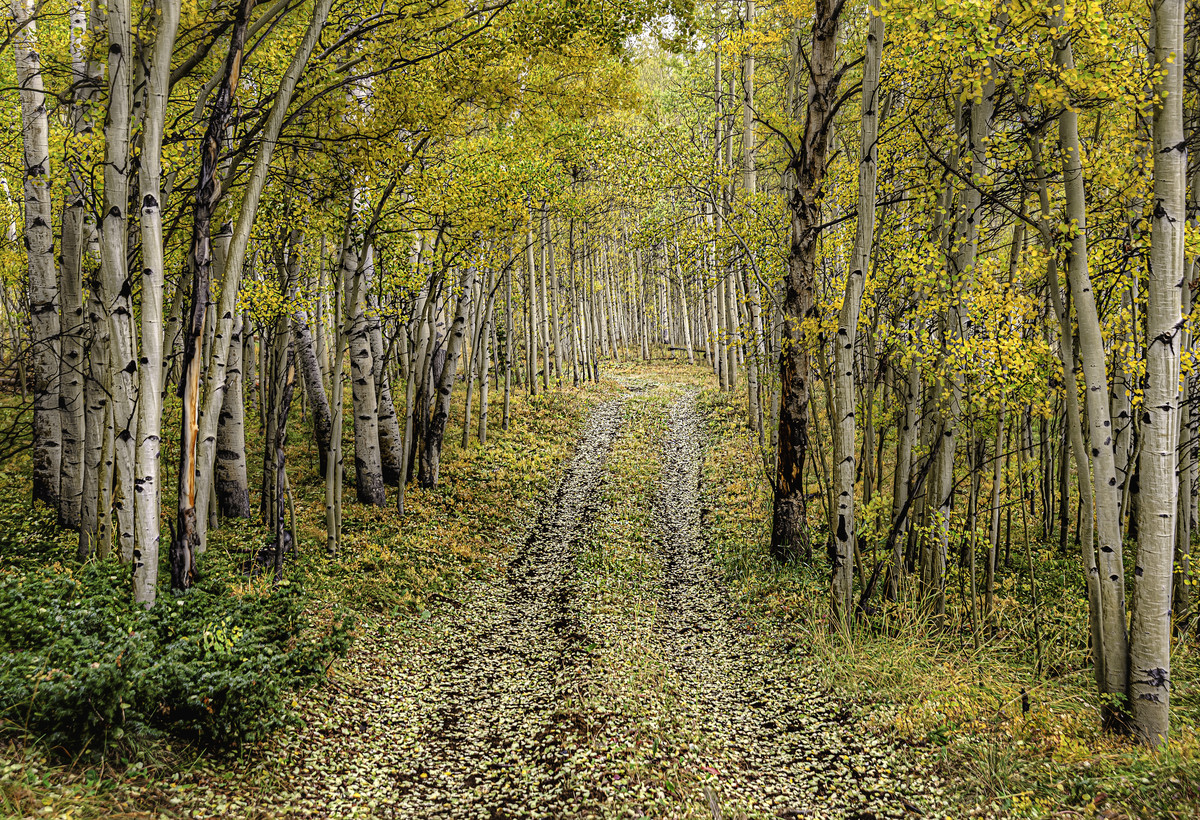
x,y
485,357
905,441
389,425
230,285
308,360
74,325
285,367
1150,630
1074,429
509,332
847,334
333,465
1188,421
454,346
750,188
150,396
95,526
555,324
1092,355
44,323
116,288
531,329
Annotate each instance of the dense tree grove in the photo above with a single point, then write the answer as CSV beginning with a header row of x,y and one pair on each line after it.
x,y
946,252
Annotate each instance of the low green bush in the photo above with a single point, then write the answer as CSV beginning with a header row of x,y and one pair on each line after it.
x,y
81,666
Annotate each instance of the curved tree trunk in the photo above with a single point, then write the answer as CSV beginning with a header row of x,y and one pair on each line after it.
x,y
187,542
1093,360
308,359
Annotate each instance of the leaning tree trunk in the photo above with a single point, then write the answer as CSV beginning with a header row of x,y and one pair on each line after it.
x,y
1092,357
1150,630
251,194
1074,425
39,243
789,518
186,542
847,334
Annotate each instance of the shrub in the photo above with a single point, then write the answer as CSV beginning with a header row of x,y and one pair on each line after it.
x,y
83,666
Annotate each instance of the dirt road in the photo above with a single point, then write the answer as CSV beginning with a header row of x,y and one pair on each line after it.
x,y
606,674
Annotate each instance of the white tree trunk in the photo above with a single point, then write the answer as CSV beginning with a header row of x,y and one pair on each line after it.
x,y
214,390
368,467
116,287
847,334
84,75
150,403
1092,356
44,322
1150,631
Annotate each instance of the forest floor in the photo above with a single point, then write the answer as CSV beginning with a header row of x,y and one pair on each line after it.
x,y
603,672
582,622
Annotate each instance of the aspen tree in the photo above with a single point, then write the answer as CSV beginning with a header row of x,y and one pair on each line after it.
x,y
150,396
116,287
75,226
187,543
44,322
1150,630
184,551
1092,359
842,552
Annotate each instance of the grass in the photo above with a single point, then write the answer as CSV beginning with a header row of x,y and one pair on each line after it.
x,y
1013,743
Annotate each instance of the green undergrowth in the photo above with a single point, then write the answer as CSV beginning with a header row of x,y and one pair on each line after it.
x,y
1016,742
394,565
104,706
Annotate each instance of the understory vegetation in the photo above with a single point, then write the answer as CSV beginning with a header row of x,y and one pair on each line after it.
x,y
86,697
1013,721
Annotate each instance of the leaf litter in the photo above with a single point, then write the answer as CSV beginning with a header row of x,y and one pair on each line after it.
x,y
606,673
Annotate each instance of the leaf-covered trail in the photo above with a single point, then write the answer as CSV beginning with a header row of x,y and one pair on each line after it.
x,y
604,675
